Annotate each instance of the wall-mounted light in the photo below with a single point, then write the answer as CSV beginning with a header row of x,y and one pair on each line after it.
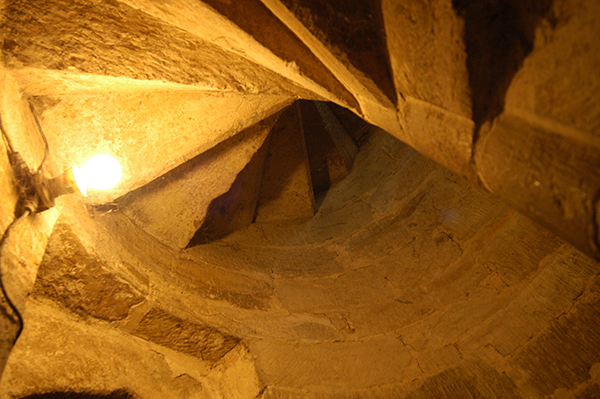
x,y
101,172
37,193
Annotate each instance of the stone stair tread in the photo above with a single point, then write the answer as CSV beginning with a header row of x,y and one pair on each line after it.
x,y
173,207
345,146
234,210
286,190
150,133
329,165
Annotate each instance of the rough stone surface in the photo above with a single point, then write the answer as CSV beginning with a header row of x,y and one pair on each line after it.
x,y
76,278
498,35
443,136
541,90
117,40
373,105
427,53
244,36
204,343
552,189
149,133
349,365
91,358
285,44
286,191
409,281
564,355
559,176
192,186
354,32
23,249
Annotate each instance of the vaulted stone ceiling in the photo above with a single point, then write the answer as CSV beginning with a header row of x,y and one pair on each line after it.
x,y
318,199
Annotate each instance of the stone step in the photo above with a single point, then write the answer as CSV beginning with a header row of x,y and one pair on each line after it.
x,y
118,40
235,209
331,151
150,133
274,186
173,207
286,191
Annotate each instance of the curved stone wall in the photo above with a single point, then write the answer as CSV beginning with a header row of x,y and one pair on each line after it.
x,y
408,282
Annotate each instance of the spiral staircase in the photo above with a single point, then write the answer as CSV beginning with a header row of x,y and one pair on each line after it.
x,y
305,209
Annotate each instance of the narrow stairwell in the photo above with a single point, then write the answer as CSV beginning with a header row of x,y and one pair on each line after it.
x,y
317,198
277,171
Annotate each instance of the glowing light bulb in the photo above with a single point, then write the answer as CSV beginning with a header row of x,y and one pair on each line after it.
x,y
101,172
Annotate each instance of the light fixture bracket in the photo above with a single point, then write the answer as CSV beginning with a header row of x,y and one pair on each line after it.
x,y
49,189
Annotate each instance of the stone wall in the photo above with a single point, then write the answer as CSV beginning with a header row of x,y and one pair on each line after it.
x,y
397,277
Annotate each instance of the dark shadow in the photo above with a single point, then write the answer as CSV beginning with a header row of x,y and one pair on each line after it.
x,y
271,167
189,167
499,34
318,145
118,394
354,31
261,181
356,126
284,157
233,210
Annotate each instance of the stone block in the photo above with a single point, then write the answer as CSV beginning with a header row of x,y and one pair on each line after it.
x,y
75,277
203,342
173,207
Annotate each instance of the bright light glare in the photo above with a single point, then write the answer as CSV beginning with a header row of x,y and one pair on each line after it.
x,y
100,172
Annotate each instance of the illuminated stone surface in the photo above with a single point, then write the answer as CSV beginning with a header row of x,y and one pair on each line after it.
x,y
260,247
